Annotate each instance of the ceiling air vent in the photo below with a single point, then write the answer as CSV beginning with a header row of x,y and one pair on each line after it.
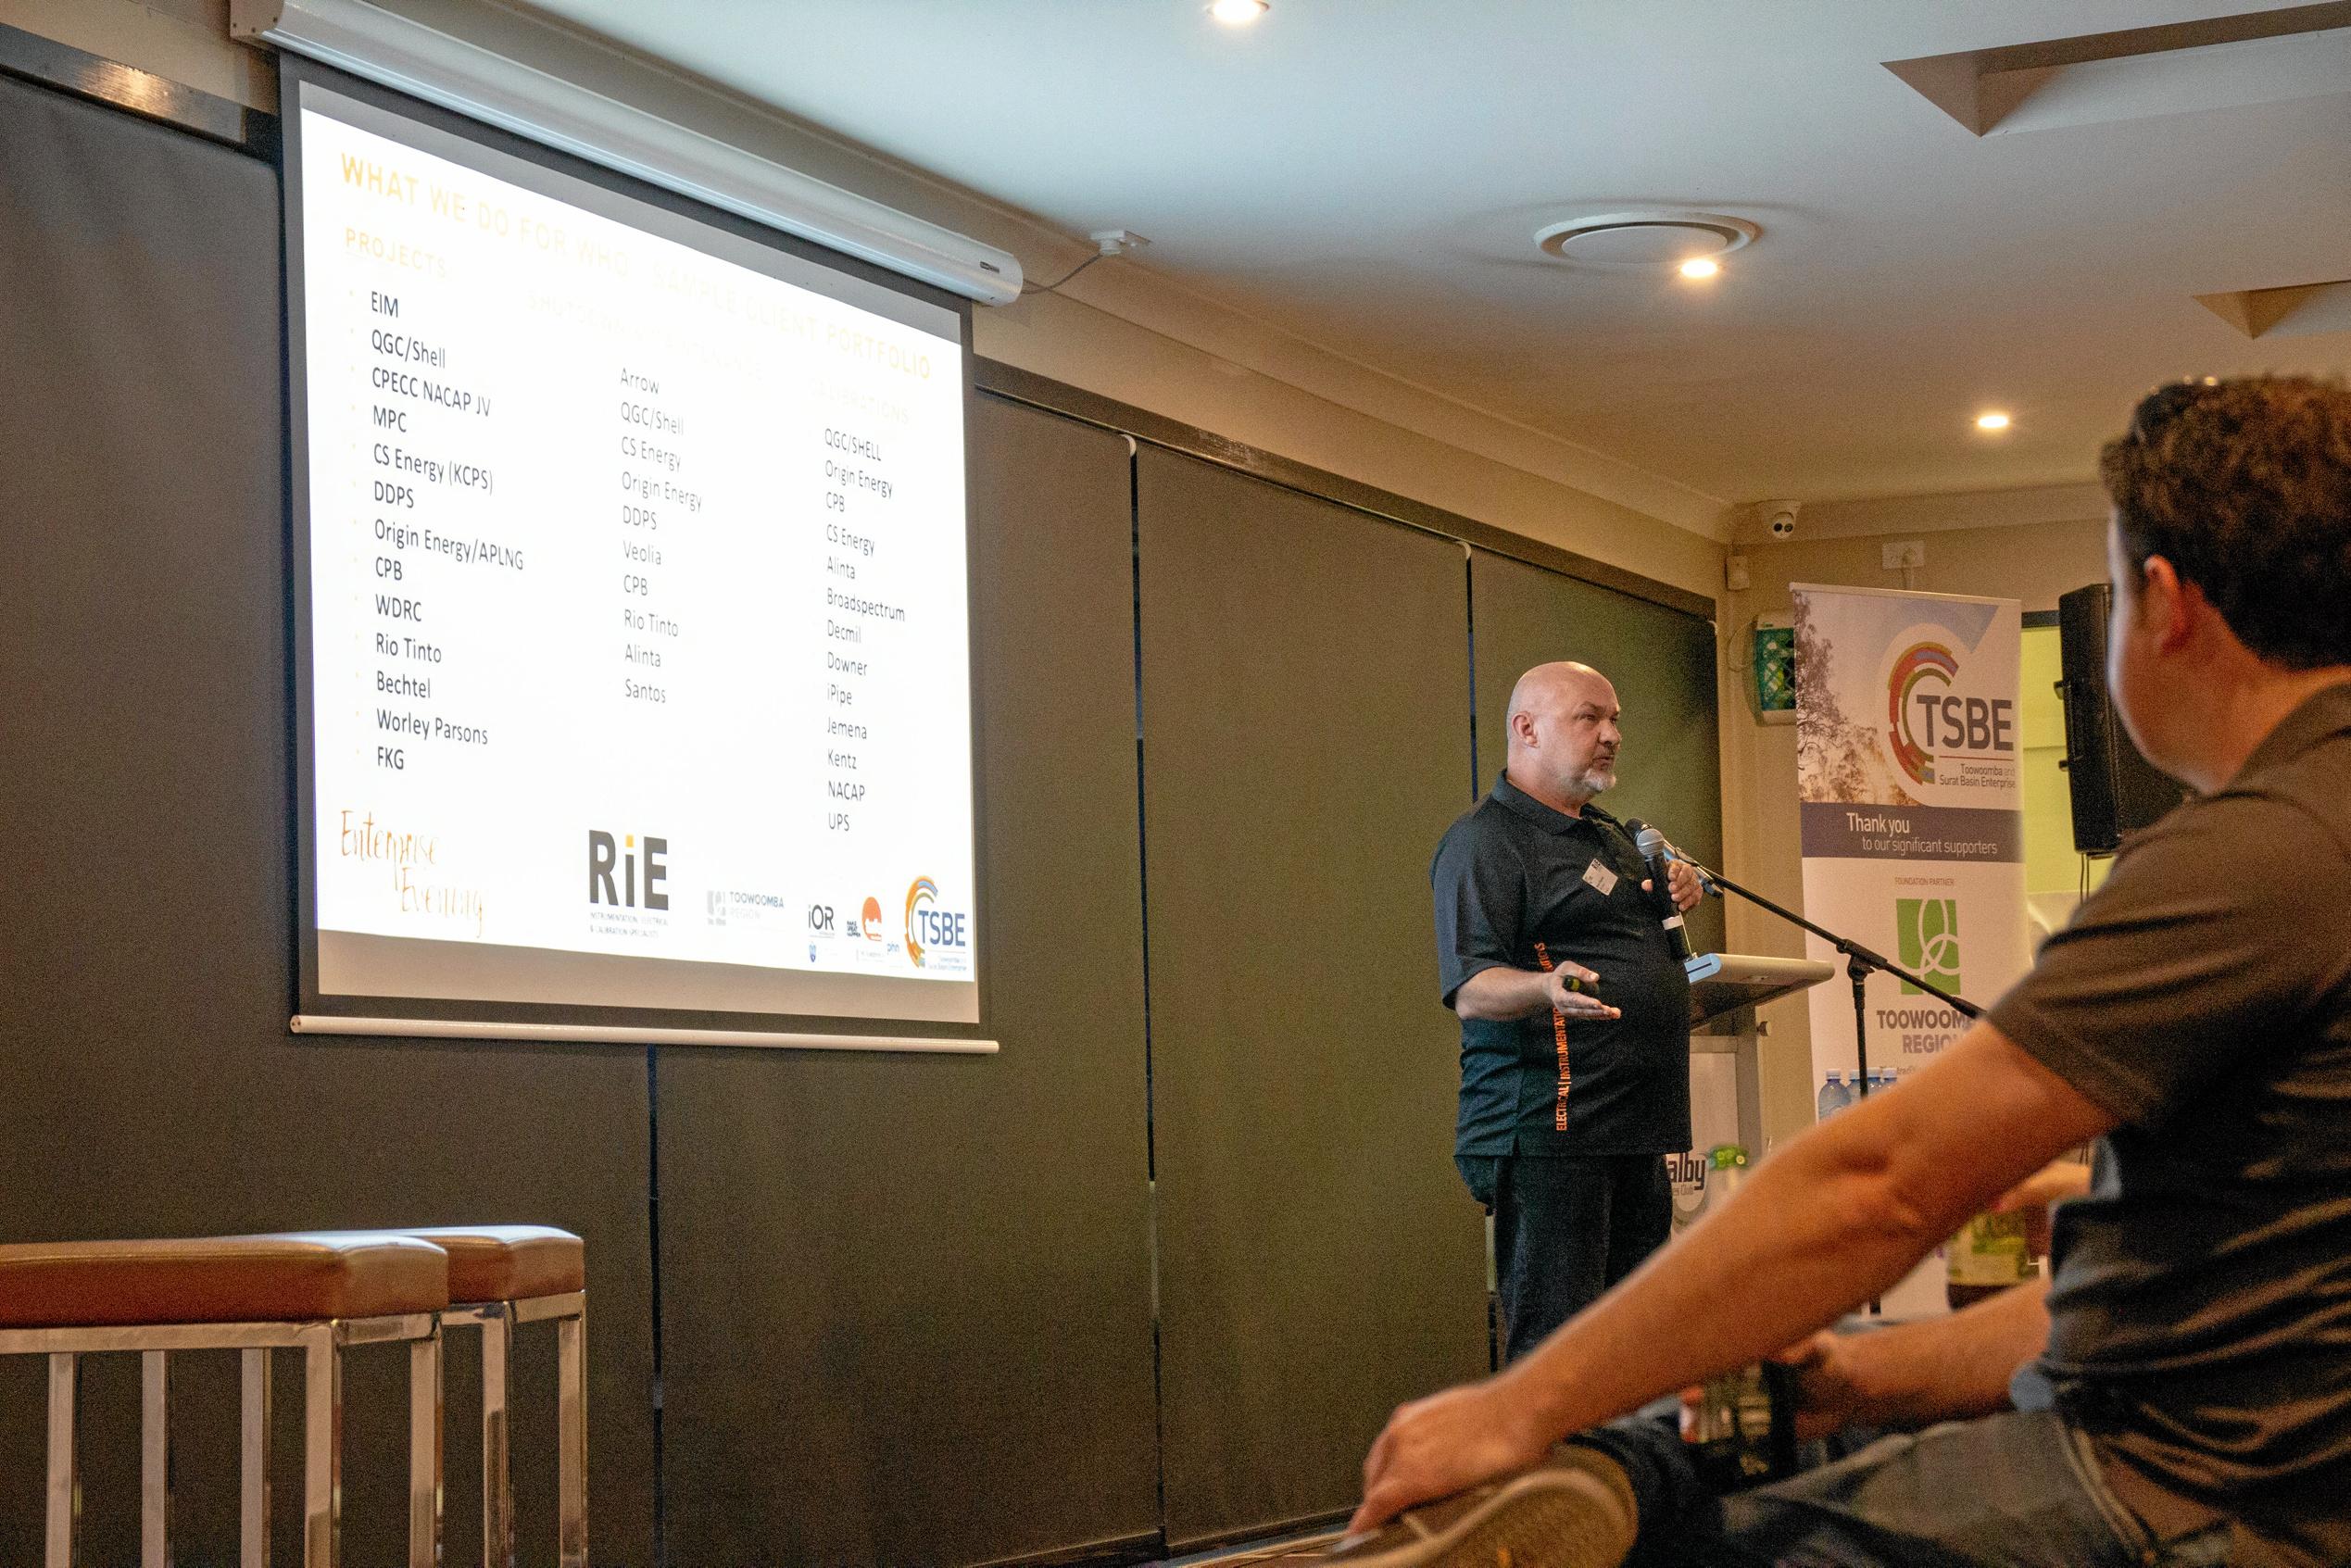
x,y
1644,239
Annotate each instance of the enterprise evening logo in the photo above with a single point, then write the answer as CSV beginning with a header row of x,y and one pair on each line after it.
x,y
1920,662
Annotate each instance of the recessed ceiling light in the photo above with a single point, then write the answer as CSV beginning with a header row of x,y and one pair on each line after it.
x,y
1701,267
1237,13
1994,420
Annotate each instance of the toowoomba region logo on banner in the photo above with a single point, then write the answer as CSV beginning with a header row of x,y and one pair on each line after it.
x,y
1907,757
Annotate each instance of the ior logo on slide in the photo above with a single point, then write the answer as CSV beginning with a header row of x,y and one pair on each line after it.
x,y
933,933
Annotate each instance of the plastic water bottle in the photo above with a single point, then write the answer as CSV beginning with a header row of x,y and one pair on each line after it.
x,y
1835,1094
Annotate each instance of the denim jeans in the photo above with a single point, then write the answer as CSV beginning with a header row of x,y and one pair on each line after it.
x,y
2021,1489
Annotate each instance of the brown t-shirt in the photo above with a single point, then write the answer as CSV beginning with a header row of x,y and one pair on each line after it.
x,y
2200,1307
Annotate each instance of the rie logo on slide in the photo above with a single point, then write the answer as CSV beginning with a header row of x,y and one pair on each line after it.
x,y
614,875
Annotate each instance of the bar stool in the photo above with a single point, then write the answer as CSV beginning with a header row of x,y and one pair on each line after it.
x,y
502,1276
318,1293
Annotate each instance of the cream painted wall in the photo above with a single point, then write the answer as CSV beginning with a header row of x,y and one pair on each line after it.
x,y
183,41
1121,331
2033,562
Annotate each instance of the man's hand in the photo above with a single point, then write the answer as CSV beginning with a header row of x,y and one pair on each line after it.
x,y
1828,1392
1436,1446
1682,881
1571,991
1681,878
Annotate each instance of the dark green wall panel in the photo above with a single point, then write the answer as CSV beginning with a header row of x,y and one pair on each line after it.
x,y
148,1085
906,1300
1305,686
1661,663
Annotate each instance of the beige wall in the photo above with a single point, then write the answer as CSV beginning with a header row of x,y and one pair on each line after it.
x,y
2032,561
184,41
1121,331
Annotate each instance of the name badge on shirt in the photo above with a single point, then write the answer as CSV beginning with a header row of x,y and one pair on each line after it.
x,y
1600,876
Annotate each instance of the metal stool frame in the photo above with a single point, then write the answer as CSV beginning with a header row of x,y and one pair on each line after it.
x,y
322,1343
498,1321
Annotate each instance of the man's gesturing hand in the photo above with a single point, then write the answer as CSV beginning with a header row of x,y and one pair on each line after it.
x,y
1570,988
1436,1446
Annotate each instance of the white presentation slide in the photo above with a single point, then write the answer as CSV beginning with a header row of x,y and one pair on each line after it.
x,y
637,601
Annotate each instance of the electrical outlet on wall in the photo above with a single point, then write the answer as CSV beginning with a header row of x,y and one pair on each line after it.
x,y
1903,554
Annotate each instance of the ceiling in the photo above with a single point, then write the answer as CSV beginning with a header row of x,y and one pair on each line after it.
x,y
1369,174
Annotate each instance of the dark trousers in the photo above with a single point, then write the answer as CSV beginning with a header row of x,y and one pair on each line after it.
x,y
1566,1229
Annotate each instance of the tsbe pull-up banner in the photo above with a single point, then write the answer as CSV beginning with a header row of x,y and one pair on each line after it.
x,y
1907,771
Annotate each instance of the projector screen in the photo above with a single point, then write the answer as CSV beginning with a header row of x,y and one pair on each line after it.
x,y
631,602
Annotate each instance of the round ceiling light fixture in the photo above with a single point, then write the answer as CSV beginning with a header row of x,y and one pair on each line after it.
x,y
1647,239
1237,13
1991,420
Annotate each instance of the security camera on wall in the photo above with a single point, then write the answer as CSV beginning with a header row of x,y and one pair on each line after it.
x,y
1780,517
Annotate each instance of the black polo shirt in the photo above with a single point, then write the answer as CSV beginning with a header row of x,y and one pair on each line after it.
x,y
1520,885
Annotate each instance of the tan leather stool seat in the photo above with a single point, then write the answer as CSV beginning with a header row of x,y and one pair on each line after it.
x,y
288,1278
510,1263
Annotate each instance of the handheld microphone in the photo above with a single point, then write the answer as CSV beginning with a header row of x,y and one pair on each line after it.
x,y
1652,845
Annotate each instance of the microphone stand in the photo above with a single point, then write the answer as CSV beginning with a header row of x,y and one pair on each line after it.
x,y
1859,964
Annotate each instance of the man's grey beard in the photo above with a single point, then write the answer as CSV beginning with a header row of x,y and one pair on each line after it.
x,y
1592,781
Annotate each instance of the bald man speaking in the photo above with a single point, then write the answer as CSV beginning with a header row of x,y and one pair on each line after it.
x,y
1575,1014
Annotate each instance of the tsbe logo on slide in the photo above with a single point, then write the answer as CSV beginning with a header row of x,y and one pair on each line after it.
x,y
612,871
1927,932
932,932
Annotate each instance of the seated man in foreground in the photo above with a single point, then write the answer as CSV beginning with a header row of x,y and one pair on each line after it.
x,y
2181,1393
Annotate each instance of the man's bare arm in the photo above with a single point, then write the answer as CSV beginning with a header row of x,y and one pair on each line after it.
x,y
1515,993
1835,1218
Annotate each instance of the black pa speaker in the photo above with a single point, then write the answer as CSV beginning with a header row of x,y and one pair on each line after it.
x,y
2116,791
